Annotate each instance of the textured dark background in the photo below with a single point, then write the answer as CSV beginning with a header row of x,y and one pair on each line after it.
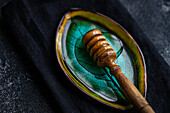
x,y
19,92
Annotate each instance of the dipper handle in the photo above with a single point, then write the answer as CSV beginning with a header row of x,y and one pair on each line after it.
x,y
130,91
105,56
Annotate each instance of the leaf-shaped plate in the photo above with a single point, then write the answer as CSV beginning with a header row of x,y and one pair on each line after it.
x,y
84,72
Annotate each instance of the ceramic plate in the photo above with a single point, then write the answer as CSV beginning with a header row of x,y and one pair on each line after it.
x,y
84,72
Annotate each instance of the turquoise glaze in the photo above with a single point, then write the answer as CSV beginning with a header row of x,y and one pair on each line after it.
x,y
83,71
82,65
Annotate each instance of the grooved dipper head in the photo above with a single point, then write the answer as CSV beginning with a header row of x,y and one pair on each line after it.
x,y
99,48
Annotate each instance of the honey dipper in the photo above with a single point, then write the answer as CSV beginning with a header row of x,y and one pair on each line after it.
x,y
105,56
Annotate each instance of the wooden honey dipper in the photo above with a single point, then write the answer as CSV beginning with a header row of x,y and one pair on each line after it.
x,y
105,56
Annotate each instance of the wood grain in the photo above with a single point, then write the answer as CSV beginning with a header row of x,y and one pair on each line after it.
x,y
105,56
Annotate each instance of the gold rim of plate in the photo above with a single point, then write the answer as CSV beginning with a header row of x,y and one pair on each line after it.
x,y
122,34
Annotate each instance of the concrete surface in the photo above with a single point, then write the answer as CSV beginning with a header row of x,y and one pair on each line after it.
x,y
153,16
18,91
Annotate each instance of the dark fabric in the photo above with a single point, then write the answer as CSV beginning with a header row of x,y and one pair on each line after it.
x,y
32,26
